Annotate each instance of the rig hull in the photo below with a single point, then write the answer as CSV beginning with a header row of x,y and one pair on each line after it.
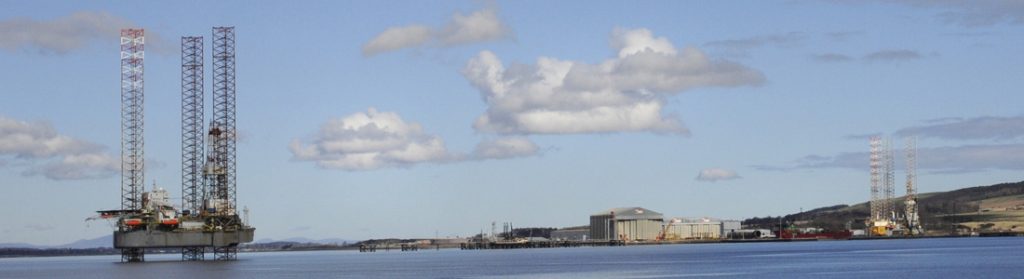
x,y
172,239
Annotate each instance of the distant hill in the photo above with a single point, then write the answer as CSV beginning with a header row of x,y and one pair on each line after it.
x,y
106,241
19,245
998,207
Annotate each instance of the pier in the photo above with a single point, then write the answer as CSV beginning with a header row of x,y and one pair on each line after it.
x,y
536,244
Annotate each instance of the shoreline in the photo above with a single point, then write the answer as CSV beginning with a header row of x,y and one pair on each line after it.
x,y
65,252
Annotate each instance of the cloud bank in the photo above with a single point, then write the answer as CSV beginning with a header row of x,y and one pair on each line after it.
x,y
892,55
716,174
988,127
759,41
503,148
943,159
480,26
622,94
52,155
65,34
973,13
369,140
948,159
375,140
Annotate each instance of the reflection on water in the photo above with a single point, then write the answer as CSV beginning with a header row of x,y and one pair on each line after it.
x,y
916,258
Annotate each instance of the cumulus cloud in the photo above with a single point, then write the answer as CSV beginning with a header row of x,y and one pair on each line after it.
x,y
370,140
45,152
948,159
479,26
37,140
987,127
375,140
716,174
892,55
622,94
397,38
78,166
64,34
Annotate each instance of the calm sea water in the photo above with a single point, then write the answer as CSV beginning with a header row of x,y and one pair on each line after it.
x,y
1001,257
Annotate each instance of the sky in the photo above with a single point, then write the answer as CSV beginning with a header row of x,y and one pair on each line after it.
x,y
370,119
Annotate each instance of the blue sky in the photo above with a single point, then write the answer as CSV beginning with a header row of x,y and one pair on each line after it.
x,y
406,119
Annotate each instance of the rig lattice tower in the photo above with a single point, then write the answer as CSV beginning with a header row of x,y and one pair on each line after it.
x,y
223,134
889,189
132,162
876,179
132,155
221,166
911,215
191,122
191,134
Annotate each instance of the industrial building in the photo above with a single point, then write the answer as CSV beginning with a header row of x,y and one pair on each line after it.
x,y
581,233
703,228
626,224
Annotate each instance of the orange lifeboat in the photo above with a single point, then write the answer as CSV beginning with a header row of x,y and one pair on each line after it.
x,y
169,222
133,222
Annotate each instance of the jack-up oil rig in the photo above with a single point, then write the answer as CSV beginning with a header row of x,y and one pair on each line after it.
x,y
208,217
886,219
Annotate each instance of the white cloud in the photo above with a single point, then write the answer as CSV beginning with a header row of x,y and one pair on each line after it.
x,y
947,159
623,94
397,38
78,166
973,13
716,174
370,140
64,34
831,57
37,140
781,39
893,55
986,127
479,26
375,140
52,155
508,147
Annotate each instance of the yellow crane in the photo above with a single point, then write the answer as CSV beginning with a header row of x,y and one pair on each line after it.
x,y
664,230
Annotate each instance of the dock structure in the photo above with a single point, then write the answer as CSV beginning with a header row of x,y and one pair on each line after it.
x,y
404,247
537,244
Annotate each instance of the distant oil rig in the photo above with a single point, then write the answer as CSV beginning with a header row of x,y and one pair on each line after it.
x,y
208,217
886,219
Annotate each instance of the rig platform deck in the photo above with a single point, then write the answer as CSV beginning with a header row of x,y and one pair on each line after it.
x,y
173,239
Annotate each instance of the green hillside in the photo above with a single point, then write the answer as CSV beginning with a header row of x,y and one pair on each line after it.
x,y
991,208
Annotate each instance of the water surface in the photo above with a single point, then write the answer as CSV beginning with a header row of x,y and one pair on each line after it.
x,y
1001,257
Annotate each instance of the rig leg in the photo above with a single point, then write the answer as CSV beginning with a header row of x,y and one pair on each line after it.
x,y
227,253
192,253
131,255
